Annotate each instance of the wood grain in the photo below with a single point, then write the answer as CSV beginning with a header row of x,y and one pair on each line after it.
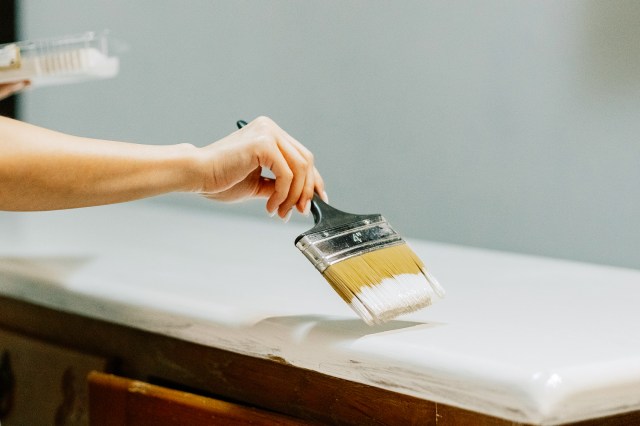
x,y
116,401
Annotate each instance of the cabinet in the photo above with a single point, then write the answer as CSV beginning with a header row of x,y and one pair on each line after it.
x,y
143,378
117,401
43,383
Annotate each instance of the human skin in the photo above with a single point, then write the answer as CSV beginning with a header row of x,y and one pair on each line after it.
x,y
41,169
8,89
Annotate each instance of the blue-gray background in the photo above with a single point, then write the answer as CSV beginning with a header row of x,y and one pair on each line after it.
x,y
500,124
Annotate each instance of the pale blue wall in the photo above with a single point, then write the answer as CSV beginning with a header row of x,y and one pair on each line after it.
x,y
502,124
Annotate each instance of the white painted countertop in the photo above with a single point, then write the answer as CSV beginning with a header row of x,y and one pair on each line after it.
x,y
525,338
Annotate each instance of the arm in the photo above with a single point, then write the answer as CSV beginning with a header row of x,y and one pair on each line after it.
x,y
43,170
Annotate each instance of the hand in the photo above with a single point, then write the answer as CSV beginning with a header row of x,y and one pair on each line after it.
x,y
232,168
8,89
45,170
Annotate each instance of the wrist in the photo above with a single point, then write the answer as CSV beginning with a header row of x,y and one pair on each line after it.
x,y
189,176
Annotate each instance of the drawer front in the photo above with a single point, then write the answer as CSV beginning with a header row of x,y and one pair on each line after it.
x,y
116,401
43,384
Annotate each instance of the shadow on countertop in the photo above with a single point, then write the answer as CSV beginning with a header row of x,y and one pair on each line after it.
x,y
305,327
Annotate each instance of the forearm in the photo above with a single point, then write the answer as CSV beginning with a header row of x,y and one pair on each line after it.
x,y
44,170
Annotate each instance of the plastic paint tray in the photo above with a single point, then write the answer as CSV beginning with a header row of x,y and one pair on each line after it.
x,y
60,60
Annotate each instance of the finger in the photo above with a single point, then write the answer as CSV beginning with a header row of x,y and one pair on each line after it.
x,y
266,187
300,162
319,186
7,90
299,166
312,175
301,148
4,92
304,203
273,159
307,192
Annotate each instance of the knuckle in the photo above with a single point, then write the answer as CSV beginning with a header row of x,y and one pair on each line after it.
x,y
263,139
306,153
287,175
301,166
308,192
263,121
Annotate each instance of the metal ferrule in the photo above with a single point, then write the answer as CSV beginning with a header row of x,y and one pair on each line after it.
x,y
327,247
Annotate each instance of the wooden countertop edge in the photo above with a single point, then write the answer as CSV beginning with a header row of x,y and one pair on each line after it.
x,y
271,385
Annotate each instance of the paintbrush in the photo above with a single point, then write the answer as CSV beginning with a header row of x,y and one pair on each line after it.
x,y
367,263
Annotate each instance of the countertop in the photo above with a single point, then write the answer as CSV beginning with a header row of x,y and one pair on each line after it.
x,y
525,338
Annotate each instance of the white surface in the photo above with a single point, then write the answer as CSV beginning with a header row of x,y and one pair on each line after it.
x,y
524,338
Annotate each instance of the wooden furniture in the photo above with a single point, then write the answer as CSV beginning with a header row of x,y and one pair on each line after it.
x,y
43,383
116,401
270,385
193,302
190,381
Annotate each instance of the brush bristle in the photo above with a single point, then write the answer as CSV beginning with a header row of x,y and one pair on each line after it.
x,y
382,284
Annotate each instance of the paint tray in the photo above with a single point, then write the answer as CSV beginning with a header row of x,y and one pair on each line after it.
x,y
61,60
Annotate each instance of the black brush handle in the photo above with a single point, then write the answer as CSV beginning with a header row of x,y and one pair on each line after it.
x,y
326,217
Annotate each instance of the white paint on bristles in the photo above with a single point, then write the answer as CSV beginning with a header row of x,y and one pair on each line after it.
x,y
395,296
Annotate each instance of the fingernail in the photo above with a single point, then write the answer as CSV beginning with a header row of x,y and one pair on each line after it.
x,y
325,197
307,208
288,216
272,213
